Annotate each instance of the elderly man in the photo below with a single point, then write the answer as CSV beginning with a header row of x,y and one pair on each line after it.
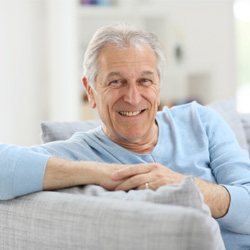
x,y
136,147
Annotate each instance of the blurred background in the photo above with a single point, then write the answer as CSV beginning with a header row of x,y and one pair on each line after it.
x,y
42,42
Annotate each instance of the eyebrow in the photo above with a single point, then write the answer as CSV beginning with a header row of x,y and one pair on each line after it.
x,y
147,72
111,74
144,73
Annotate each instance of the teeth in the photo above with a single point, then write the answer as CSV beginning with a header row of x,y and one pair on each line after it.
x,y
129,113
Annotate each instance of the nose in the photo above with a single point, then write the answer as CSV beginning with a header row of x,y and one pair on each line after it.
x,y
132,94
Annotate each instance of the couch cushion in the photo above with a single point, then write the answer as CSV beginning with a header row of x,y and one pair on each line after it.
x,y
185,194
54,131
81,218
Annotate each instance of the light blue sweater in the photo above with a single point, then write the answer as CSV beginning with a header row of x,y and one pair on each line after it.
x,y
193,140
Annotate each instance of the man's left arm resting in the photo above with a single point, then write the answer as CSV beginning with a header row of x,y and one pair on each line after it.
x,y
228,203
237,218
215,196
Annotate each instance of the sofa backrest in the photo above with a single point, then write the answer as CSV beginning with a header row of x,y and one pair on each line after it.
x,y
245,120
239,123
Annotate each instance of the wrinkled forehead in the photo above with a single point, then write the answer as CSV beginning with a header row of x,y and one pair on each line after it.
x,y
128,56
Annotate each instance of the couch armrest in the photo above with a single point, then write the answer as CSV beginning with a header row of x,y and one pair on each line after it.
x,y
64,221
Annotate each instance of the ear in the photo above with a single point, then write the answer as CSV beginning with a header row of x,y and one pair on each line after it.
x,y
89,91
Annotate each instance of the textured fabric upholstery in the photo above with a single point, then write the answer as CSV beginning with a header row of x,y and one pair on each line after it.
x,y
54,131
82,219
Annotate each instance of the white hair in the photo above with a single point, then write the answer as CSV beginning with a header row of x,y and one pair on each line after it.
x,y
120,35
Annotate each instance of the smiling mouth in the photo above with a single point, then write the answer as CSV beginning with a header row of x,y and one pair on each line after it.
x,y
131,113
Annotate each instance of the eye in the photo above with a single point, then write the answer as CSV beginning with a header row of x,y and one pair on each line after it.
x,y
116,82
146,81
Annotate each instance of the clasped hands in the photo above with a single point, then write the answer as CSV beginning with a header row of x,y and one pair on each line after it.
x,y
140,176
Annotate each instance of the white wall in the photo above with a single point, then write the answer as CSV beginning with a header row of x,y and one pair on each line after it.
x,y
22,71
205,30
41,48
64,83
210,46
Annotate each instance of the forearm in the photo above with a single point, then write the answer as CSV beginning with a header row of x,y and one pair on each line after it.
x,y
229,205
215,196
237,218
62,173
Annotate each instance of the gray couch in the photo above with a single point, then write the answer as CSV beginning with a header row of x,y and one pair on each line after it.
x,y
89,217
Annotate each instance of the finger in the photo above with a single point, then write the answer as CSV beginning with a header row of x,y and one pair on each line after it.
x,y
153,185
131,171
133,182
146,185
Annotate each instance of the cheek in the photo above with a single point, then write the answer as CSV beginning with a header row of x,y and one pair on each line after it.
x,y
158,101
155,97
157,94
110,98
105,104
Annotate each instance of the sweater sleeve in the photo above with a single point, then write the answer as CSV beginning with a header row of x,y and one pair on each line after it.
x,y
230,165
22,168
21,171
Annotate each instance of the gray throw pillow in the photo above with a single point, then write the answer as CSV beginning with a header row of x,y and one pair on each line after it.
x,y
54,131
185,194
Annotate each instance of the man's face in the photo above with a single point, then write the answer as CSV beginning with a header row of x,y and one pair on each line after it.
x,y
127,97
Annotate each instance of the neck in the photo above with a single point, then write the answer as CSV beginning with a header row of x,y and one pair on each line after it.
x,y
142,145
